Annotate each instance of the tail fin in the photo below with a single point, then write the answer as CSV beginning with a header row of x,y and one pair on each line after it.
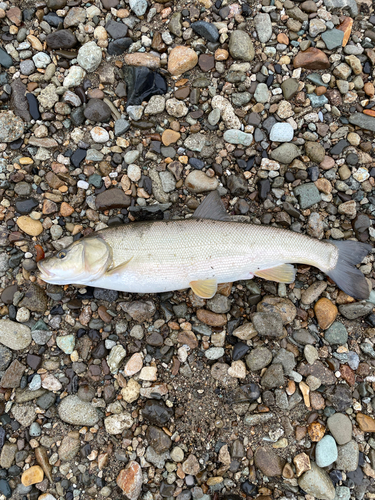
x,y
345,274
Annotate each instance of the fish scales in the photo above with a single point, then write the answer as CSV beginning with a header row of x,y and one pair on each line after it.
x,y
168,255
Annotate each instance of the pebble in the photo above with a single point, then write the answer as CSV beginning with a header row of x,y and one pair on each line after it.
x,y
326,452
32,475
281,132
181,59
268,462
11,127
76,412
336,334
340,427
238,137
14,335
130,481
240,46
198,182
347,457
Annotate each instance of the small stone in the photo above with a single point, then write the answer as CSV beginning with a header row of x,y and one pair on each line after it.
x,y
11,127
211,318
116,424
207,30
333,38
273,377
325,312
313,292
191,465
285,153
139,7
241,46
336,334
263,26
61,39
365,422
326,452
74,77
33,475
14,335
340,427
237,137
315,151
170,136
268,324
130,480
181,59
302,463
347,457
312,58
66,343
198,182
89,56
99,135
73,410
268,462
258,358
356,310
281,132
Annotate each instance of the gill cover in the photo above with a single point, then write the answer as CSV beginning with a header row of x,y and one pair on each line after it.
x,y
97,256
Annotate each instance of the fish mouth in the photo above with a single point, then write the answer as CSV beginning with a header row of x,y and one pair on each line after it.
x,y
44,274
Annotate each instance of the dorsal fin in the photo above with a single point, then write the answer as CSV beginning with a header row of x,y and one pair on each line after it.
x,y
212,208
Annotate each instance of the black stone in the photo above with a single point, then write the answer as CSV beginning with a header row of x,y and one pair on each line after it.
x,y
196,163
239,351
5,489
97,111
77,116
249,488
116,30
62,39
313,173
103,294
339,147
356,476
26,206
28,14
53,19
142,83
34,361
118,47
352,159
5,59
367,68
157,412
264,188
206,30
341,399
77,157
33,106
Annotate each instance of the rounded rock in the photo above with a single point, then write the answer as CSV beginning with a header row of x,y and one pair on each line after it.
x,y
89,56
181,59
76,412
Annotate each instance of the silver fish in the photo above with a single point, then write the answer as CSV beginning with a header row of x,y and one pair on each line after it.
x,y
200,252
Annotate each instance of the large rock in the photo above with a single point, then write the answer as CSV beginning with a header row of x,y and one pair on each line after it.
x,y
363,121
11,127
73,410
268,462
181,59
198,182
241,46
14,335
311,58
317,483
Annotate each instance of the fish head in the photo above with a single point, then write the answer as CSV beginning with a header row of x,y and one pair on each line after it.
x,y
83,261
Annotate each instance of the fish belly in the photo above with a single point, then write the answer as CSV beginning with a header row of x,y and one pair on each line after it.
x,y
165,256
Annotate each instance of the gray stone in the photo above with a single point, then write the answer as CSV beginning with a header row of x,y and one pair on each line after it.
x,y
139,7
5,60
356,310
27,67
116,30
195,142
268,324
155,105
76,412
219,304
168,181
326,451
234,136
351,5
97,111
14,335
263,26
207,30
342,493
157,459
340,427
273,377
304,337
241,98
74,77
347,457
41,60
336,334
241,46
121,126
285,153
286,359
289,88
333,38
308,195
316,482
317,101
260,418
281,132
258,358
89,56
363,121
262,93
174,25
214,117
11,127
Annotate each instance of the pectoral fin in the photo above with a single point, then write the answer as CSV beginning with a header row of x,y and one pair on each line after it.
x,y
285,273
205,289
118,269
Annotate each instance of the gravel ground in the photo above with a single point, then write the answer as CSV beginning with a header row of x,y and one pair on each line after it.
x,y
115,111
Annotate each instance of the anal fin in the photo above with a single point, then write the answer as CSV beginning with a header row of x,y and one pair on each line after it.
x,y
205,289
118,269
284,273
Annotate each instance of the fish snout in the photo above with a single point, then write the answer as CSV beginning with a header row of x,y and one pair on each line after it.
x,y
43,273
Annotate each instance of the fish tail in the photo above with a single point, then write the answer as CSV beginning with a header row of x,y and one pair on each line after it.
x,y
345,274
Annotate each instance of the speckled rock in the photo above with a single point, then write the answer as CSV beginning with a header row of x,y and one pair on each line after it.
x,y
73,410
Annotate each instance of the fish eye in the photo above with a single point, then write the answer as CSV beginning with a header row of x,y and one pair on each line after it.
x,y
61,255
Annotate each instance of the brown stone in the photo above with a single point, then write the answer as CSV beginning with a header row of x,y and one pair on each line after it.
x,y
43,460
211,318
311,58
12,376
347,374
365,422
188,337
369,112
284,307
283,38
66,209
302,463
14,15
112,198
206,62
49,207
301,432
29,226
320,90
134,365
33,475
182,93
170,137
142,59
324,185
316,431
317,401
221,55
319,371
268,462
325,312
369,89
157,43
181,59
346,27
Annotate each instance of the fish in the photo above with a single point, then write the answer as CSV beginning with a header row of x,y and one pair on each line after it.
x,y
201,252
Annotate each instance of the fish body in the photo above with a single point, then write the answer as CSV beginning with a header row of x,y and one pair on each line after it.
x,y
162,256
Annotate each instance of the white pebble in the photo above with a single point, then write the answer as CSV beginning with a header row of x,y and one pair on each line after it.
x,y
82,184
99,134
